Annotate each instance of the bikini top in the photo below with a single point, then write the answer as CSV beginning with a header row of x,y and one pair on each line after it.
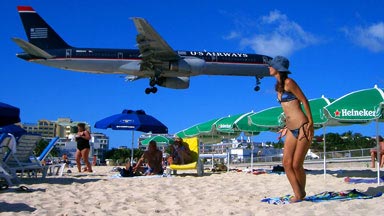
x,y
287,96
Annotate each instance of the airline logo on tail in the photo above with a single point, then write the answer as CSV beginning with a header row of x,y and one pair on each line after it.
x,y
39,33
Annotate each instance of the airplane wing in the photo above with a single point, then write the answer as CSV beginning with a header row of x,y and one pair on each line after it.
x,y
152,46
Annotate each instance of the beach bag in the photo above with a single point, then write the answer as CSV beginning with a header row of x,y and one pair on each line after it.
x,y
126,173
278,169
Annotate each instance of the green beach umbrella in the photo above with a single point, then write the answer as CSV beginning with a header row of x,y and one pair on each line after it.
x,y
358,107
159,140
198,129
238,123
271,118
206,131
317,109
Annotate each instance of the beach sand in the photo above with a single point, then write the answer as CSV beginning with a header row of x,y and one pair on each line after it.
x,y
232,193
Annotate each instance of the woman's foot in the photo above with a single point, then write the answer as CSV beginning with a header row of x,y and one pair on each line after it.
x,y
294,199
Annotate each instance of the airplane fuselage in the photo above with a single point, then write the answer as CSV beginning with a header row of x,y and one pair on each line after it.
x,y
113,61
154,59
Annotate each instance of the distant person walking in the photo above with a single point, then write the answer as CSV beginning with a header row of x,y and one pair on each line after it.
x,y
83,147
299,125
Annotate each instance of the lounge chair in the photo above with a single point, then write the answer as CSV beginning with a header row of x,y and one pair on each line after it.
x,y
19,161
193,144
4,140
51,168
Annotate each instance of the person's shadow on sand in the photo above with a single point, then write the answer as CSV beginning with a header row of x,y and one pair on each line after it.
x,y
15,207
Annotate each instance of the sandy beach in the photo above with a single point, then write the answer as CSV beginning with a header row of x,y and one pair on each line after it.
x,y
232,193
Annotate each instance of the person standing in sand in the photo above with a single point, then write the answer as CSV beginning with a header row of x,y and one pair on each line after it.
x,y
299,125
83,147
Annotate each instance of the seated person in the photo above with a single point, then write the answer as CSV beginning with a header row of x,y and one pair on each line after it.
x,y
154,159
180,152
64,159
374,153
127,171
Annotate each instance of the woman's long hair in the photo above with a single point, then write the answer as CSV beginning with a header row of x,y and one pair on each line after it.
x,y
280,84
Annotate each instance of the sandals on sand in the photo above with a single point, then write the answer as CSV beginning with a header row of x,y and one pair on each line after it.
x,y
23,189
4,186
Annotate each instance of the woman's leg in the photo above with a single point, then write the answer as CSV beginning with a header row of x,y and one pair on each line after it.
x,y
78,159
290,145
373,156
85,155
302,147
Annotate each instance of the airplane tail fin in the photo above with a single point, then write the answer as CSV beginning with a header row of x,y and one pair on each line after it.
x,y
39,33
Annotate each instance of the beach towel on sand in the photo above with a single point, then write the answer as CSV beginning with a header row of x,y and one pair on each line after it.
x,y
362,180
321,197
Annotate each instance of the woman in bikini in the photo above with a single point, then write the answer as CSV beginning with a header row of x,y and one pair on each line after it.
x,y
299,125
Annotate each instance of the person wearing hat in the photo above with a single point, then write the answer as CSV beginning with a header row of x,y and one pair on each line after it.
x,y
298,130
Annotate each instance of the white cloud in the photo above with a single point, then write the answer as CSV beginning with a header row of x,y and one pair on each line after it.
x,y
277,35
371,37
232,35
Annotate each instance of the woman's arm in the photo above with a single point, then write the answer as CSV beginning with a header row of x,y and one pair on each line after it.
x,y
86,135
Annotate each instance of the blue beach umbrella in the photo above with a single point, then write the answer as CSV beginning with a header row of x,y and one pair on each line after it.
x,y
12,129
8,114
132,120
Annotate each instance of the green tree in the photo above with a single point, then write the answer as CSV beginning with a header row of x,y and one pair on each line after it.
x,y
42,145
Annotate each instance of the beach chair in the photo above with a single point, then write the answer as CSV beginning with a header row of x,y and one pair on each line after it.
x,y
52,167
4,140
193,144
19,161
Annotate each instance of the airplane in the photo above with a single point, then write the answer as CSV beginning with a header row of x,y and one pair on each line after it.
x,y
154,59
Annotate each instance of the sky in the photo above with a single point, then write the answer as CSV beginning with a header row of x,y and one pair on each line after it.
x,y
334,48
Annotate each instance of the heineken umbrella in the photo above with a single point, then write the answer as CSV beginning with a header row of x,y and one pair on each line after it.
x,y
238,123
206,131
159,139
360,106
320,120
317,110
271,118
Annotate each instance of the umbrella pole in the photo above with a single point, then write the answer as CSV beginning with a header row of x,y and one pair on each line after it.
x,y
378,152
133,137
324,165
252,149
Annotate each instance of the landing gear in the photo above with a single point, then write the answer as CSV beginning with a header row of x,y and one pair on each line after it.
x,y
149,90
257,87
152,82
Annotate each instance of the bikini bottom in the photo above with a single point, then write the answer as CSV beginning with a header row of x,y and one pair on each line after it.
x,y
296,132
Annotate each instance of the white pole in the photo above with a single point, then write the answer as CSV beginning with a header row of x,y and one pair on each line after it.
x,y
324,147
252,149
378,151
228,155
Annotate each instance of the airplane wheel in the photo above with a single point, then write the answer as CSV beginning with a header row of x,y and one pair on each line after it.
x,y
148,90
257,88
154,90
152,82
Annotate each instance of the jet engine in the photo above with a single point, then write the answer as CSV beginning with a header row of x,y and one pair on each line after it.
x,y
174,82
